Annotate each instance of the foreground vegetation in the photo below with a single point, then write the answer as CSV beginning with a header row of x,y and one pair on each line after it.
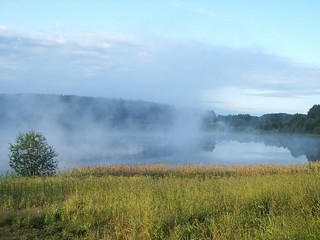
x,y
164,202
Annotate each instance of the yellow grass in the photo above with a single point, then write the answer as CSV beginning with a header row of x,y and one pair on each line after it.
x,y
164,202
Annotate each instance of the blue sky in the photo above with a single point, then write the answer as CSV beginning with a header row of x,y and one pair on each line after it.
x,y
230,56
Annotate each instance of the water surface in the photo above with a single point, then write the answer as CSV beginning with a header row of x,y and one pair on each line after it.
x,y
204,148
209,148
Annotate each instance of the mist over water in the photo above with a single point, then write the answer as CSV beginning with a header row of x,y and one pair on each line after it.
x,y
91,131
203,148
87,131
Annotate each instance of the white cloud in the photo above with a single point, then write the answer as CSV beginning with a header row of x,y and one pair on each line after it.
x,y
207,12
256,102
3,28
58,24
178,72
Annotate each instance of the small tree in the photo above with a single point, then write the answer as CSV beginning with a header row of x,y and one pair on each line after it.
x,y
30,155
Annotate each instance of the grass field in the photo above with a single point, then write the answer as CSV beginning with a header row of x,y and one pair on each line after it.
x,y
164,202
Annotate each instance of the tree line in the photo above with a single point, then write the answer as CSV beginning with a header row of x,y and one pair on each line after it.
x,y
74,113
276,122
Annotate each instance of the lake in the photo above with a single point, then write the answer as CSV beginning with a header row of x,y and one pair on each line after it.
x,y
200,148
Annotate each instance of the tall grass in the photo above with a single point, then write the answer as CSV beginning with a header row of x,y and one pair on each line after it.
x,y
164,202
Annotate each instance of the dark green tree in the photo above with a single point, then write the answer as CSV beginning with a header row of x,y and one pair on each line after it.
x,y
30,155
314,112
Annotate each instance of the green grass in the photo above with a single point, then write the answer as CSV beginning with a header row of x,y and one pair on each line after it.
x,y
164,202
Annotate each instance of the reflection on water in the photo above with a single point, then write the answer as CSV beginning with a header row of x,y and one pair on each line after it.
x,y
297,145
213,148
207,148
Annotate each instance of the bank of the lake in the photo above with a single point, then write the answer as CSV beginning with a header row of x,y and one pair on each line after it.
x,y
164,202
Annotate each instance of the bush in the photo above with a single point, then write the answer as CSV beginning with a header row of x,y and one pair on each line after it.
x,y
30,155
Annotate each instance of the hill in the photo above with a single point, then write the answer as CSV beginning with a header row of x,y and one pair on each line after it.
x,y
69,113
74,113
275,122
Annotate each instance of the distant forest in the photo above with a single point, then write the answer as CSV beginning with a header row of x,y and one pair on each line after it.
x,y
276,122
76,113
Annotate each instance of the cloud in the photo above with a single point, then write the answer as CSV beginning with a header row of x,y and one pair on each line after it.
x,y
207,12
3,28
180,72
257,102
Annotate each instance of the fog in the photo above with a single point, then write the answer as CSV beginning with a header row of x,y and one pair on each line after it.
x,y
97,131
89,131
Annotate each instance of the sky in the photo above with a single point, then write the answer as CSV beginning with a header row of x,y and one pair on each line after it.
x,y
230,56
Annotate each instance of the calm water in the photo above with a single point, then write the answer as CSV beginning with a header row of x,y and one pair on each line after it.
x,y
222,148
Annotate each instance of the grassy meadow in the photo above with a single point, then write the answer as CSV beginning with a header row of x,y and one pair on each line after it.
x,y
164,202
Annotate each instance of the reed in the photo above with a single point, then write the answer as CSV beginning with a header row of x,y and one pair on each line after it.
x,y
164,202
